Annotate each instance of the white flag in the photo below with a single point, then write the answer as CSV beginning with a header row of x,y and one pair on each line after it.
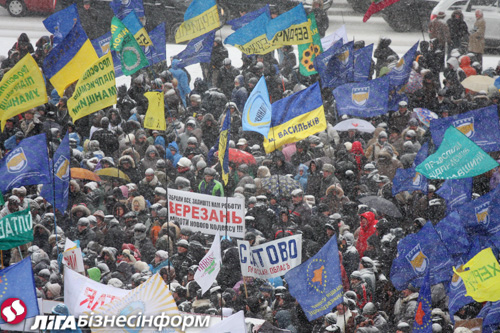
x,y
233,324
209,266
329,40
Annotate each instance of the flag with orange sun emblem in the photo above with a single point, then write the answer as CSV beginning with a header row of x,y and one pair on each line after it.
x,y
423,320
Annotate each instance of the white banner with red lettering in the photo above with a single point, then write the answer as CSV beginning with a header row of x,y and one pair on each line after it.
x,y
207,213
270,259
82,294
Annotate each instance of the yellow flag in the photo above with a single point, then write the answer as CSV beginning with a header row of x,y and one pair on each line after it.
x,y
95,90
22,88
155,116
481,276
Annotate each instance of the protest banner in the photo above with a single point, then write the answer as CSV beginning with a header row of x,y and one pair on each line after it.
x,y
270,259
82,294
73,259
207,213
95,90
16,229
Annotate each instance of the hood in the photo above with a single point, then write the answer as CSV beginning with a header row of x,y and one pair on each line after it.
x,y
319,165
464,61
174,145
349,238
94,273
150,149
284,318
453,62
304,168
208,117
263,172
142,202
109,252
357,148
371,219
175,63
129,158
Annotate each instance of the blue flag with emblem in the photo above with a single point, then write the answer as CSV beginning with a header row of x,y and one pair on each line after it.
x,y
456,192
363,63
339,69
60,177
409,179
491,316
400,74
416,253
123,8
17,282
240,22
224,138
317,283
257,111
494,217
452,232
481,126
457,290
101,47
476,213
423,319
158,51
27,164
198,50
364,99
60,23
322,59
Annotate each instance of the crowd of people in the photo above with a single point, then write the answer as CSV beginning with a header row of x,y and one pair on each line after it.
x,y
123,227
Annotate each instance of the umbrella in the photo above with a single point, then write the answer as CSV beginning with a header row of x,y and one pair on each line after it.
x,y
285,188
241,157
79,173
425,116
113,173
478,82
354,123
382,205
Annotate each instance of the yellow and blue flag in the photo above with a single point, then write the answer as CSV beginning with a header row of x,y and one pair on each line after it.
x,y
481,277
131,21
60,23
251,38
201,17
12,288
224,138
258,110
60,177
22,88
123,8
198,50
364,99
27,164
290,28
423,319
317,283
155,116
295,118
417,253
66,62
240,22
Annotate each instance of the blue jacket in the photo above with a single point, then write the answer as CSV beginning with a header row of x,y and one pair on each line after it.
x,y
173,158
302,180
156,269
182,79
239,95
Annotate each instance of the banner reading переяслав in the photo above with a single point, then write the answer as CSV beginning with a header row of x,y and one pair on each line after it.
x,y
95,90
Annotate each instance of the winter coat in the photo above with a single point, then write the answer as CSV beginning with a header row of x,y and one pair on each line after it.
x,y
149,162
302,179
239,95
173,158
406,308
155,268
476,38
387,165
182,79
365,233
439,29
115,237
466,66
131,172
459,32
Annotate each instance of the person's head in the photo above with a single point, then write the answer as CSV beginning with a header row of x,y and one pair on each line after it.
x,y
479,13
208,174
13,203
328,170
149,175
402,107
413,124
182,246
30,114
83,223
86,4
382,138
297,196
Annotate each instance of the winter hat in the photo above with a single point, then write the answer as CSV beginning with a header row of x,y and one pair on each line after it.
x,y
141,266
162,254
115,283
94,273
348,146
54,288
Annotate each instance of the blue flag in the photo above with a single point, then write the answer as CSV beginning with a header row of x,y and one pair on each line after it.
x,y
240,22
364,99
27,164
296,15
340,67
17,281
317,283
400,74
423,319
452,232
494,224
363,63
157,52
123,8
477,215
60,23
198,50
251,38
409,180
257,111
60,177
456,192
416,253
321,60
491,316
101,46
457,291
481,126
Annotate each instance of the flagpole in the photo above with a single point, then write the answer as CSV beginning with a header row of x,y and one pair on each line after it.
x,y
279,194
20,253
54,195
1,256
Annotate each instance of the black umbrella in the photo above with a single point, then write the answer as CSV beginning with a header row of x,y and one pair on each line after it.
x,y
382,205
